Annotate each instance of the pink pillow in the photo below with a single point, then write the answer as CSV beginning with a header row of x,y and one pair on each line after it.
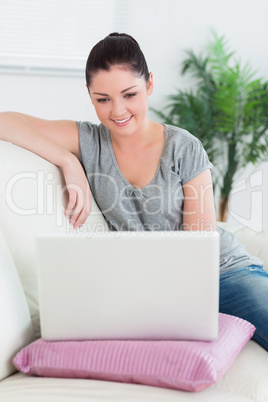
x,y
186,365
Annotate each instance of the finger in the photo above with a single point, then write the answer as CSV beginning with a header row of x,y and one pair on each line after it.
x,y
72,199
75,194
81,218
76,212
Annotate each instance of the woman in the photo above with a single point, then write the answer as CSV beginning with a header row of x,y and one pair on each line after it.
x,y
143,175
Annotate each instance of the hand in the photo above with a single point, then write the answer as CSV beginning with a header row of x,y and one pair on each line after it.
x,y
80,199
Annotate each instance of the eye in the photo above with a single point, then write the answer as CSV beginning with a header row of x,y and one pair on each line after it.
x,y
103,100
130,95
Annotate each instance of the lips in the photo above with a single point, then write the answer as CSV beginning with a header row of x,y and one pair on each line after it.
x,y
123,122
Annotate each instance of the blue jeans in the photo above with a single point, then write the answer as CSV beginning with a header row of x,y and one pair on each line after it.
x,y
244,294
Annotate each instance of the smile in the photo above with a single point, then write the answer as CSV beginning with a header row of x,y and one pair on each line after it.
x,y
123,121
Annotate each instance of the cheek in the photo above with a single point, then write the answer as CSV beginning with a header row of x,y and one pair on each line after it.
x,y
101,110
140,104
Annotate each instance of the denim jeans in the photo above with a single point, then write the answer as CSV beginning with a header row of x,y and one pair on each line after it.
x,y
244,294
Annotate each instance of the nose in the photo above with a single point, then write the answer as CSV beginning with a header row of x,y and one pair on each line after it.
x,y
118,109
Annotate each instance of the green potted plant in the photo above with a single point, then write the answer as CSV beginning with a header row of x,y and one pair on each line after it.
x,y
227,110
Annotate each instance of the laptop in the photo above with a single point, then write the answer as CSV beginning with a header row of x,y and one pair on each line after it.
x,y
129,285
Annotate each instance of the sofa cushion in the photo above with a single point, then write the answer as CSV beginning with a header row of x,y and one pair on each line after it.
x,y
187,365
33,200
15,321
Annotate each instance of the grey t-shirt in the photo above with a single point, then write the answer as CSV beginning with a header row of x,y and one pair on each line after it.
x,y
159,205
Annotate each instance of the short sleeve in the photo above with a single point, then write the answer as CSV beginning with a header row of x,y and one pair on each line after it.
x,y
194,160
87,139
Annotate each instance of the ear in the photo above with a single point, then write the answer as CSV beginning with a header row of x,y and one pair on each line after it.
x,y
150,84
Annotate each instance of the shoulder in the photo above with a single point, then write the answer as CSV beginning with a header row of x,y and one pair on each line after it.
x,y
86,128
179,139
92,138
185,154
90,133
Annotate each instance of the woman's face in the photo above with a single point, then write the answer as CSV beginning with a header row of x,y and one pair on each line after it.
x,y
120,99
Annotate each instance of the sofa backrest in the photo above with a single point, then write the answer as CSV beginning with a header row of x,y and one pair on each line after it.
x,y
33,200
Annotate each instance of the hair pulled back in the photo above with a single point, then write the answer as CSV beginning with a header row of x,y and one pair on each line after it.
x,y
116,49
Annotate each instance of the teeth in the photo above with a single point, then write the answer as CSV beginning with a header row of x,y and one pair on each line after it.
x,y
122,121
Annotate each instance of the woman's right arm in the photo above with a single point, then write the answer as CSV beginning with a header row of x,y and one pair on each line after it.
x,y
56,141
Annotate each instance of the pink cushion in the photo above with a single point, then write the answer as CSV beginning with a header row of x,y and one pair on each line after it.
x,y
186,365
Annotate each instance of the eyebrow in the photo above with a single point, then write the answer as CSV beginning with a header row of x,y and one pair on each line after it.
x,y
124,90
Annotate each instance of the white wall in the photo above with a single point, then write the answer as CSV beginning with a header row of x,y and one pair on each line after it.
x,y
164,30
45,96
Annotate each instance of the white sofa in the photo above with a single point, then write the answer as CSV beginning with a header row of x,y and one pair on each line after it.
x,y
32,200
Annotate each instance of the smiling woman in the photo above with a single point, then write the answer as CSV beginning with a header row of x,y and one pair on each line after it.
x,y
142,174
118,78
125,101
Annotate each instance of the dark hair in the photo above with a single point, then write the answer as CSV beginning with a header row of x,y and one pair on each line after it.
x,y
116,49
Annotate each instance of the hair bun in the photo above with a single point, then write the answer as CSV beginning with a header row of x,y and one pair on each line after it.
x,y
122,35
115,34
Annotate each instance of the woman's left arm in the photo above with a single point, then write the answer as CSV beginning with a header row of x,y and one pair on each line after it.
x,y
199,209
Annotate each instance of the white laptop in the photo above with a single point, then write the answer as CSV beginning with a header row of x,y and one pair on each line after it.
x,y
129,285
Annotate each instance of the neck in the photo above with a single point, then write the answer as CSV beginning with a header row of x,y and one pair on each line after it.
x,y
138,139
